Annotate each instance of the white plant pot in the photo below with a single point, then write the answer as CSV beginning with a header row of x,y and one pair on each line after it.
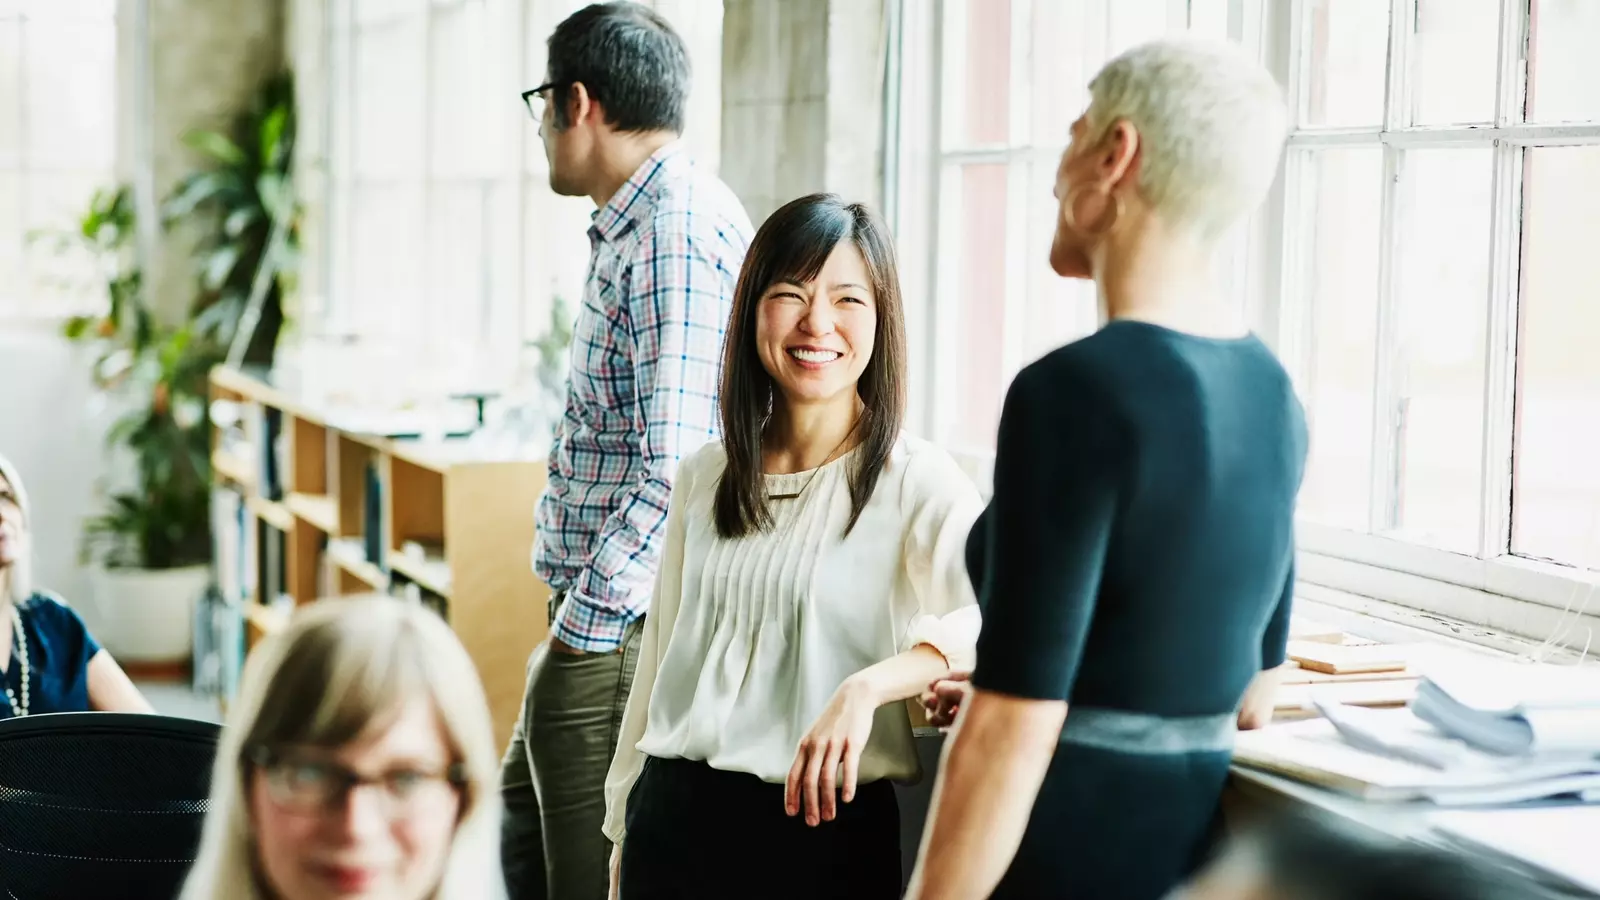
x,y
147,615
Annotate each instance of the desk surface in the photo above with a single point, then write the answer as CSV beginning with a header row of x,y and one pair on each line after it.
x,y
1568,866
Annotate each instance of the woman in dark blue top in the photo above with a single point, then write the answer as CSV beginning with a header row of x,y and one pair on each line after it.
x,y
1136,564
49,663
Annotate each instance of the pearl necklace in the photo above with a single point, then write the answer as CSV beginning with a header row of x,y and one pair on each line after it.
x,y
19,710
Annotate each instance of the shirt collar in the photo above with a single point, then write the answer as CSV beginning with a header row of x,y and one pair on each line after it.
x,y
624,209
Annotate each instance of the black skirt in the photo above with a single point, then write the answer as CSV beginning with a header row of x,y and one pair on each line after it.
x,y
697,832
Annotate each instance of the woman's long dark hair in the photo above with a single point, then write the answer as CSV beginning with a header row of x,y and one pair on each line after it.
x,y
792,246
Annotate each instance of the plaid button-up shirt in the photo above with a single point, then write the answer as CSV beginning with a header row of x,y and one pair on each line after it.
x,y
664,256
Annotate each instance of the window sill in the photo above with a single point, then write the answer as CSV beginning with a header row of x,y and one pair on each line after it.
x,y
1510,605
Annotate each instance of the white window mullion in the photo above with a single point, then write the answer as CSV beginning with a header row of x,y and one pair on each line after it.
x,y
1295,341
1019,125
1505,257
947,280
1397,101
1500,382
431,305
1387,390
1511,82
343,312
1299,68
950,61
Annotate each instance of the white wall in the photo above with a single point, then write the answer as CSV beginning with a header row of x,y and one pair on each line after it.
x,y
49,429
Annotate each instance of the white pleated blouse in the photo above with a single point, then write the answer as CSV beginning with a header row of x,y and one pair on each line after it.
x,y
747,640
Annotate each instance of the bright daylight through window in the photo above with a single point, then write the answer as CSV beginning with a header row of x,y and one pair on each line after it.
x,y
988,90
57,145
1437,301
1421,270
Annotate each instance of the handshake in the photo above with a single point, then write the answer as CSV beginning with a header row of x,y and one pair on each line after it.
x,y
942,700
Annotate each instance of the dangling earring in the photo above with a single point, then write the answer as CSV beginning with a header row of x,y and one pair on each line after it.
x,y
1069,211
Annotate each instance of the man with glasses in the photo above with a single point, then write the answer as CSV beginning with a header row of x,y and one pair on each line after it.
x,y
666,244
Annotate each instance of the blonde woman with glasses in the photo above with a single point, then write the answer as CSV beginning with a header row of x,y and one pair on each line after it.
x,y
359,762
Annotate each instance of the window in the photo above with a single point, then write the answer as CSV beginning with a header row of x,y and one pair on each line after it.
x,y
988,90
57,147
1420,268
444,239
422,248
1438,310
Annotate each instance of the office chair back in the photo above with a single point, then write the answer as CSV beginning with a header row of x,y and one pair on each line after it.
x,y
101,804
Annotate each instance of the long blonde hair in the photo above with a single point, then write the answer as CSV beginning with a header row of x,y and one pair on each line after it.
x,y
342,669
19,578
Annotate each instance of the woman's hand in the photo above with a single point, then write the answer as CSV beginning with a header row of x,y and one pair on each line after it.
x,y
834,742
616,871
942,700
1260,699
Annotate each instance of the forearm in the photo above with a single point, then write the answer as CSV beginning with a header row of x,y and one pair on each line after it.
x,y
613,588
110,688
903,675
993,767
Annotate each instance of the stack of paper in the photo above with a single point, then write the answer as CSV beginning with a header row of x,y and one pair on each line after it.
x,y
1515,709
1391,755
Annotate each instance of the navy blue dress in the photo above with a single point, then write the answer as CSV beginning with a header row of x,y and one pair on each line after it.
x,y
59,650
1137,562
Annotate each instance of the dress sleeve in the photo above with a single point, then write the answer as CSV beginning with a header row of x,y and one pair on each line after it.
x,y
1275,641
943,503
67,627
668,594
1056,484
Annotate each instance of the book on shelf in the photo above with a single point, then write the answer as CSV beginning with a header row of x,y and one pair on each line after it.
x,y
372,529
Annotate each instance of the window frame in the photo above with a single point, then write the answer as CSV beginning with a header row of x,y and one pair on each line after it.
x,y
498,292
1493,587
1367,574
15,311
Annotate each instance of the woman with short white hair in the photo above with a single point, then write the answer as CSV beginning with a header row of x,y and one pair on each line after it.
x,y
49,662
359,761
1135,566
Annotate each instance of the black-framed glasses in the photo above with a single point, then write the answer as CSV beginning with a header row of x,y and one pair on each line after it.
x,y
305,784
538,93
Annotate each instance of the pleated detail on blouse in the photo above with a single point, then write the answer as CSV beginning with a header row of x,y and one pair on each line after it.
x,y
748,639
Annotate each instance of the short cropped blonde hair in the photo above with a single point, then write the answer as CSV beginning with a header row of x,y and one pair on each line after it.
x,y
343,668
19,586
1212,124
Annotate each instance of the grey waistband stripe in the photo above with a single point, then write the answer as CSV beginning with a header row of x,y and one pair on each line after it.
x,y
1132,732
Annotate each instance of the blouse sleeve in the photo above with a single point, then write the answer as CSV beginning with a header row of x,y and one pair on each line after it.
x,y
943,504
1056,483
658,622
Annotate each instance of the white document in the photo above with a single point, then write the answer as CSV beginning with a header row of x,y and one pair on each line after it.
x,y
1559,840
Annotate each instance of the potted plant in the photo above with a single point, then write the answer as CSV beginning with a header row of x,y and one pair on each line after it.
x,y
149,549
241,194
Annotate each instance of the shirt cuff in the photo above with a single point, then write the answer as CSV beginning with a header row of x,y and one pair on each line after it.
x,y
955,635
584,626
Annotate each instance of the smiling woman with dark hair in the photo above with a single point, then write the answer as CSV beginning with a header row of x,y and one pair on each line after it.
x,y
812,575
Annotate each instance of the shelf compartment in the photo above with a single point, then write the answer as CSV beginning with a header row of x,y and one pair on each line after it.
x,y
317,510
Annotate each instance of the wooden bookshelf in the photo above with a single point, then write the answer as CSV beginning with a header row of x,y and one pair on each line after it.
x,y
455,524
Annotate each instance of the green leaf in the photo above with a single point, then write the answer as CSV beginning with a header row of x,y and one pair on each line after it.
x,y
273,146
77,327
200,189
218,146
239,220
216,268
274,192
